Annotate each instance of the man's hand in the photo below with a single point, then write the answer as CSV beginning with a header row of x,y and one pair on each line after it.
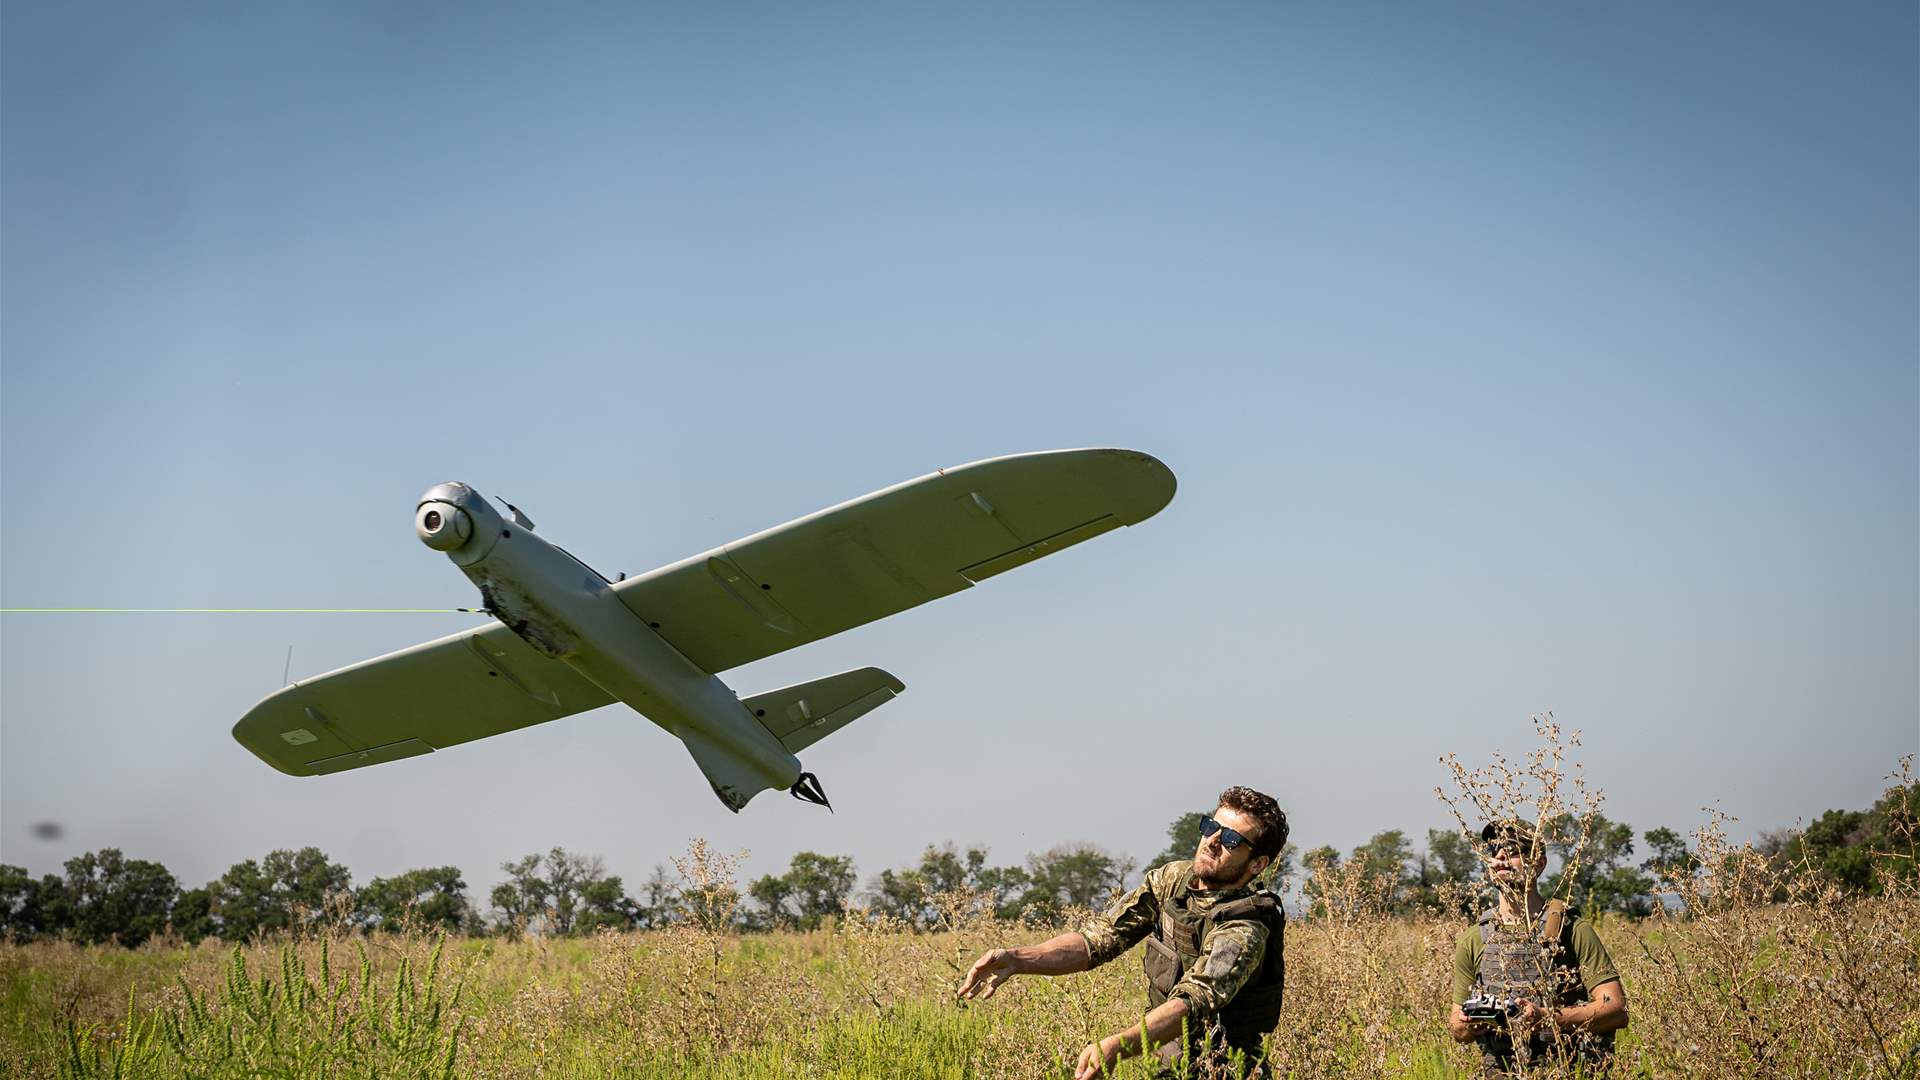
x,y
1058,955
1463,1029
1529,1016
1098,1059
994,967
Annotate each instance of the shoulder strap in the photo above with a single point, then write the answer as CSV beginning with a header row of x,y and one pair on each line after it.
x,y
1262,905
1555,922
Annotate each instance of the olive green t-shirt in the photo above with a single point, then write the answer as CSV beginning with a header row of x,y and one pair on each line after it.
x,y
1596,967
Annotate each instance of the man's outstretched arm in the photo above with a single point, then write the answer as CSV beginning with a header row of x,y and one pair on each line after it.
x,y
1060,955
1098,940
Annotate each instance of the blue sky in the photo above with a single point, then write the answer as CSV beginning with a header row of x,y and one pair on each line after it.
x,y
1509,359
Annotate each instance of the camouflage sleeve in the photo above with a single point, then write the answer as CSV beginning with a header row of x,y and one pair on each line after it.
x,y
1121,926
1228,958
1596,965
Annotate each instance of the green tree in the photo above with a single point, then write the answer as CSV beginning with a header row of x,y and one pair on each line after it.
x,y
31,909
944,869
193,915
1321,864
561,893
1594,870
115,898
901,895
307,882
909,894
1004,888
521,899
1445,876
433,898
821,885
1666,852
568,876
1072,876
1385,857
1839,843
284,890
242,903
659,901
814,887
1183,838
605,905
770,892
1862,850
1895,835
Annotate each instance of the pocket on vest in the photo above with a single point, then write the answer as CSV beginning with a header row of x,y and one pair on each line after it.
x,y
1163,966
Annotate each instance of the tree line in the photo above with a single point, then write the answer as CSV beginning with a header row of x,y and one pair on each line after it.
x,y
103,896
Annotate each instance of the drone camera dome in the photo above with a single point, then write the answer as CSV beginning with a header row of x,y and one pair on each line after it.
x,y
442,526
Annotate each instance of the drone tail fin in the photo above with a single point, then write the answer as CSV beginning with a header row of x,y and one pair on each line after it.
x,y
804,713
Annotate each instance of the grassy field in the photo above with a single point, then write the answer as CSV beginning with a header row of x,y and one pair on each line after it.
x,y
1753,989
1753,966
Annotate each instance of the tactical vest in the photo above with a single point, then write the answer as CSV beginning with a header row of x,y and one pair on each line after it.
x,y
1536,963
1175,947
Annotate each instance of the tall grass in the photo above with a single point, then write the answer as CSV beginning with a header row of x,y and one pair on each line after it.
x,y
1756,969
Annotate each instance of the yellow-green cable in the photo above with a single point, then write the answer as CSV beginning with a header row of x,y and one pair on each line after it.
x,y
236,611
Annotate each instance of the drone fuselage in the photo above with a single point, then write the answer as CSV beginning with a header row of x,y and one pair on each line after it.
x,y
566,611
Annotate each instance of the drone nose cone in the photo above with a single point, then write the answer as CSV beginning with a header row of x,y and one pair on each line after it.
x,y
442,526
456,519
453,493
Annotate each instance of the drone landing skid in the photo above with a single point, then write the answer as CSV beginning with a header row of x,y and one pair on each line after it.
x,y
807,789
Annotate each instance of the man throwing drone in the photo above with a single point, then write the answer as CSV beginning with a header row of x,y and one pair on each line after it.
x,y
1213,959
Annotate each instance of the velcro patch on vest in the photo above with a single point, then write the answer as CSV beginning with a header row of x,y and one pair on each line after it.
x,y
1184,939
1226,953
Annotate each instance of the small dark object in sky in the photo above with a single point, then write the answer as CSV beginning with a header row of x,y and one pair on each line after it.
x,y
47,830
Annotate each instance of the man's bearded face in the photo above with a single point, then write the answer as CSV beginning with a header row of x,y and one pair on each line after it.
x,y
1212,860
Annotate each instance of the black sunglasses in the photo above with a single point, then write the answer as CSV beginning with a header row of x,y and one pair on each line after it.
x,y
1228,838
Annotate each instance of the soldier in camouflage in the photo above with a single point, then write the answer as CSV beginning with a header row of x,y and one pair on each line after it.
x,y
1213,958
1542,956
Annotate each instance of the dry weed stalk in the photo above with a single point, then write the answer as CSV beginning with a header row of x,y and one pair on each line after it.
x,y
1548,794
1767,966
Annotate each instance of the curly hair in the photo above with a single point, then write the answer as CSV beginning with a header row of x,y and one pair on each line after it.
x,y
1261,808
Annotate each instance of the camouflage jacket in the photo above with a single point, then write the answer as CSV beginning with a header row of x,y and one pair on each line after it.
x,y
1230,953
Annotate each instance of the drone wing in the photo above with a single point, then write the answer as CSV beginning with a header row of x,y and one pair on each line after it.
x,y
894,549
466,686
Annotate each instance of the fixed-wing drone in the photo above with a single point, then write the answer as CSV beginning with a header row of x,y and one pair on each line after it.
x,y
565,639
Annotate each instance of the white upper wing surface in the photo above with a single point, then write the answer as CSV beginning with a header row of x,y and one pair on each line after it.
x,y
894,549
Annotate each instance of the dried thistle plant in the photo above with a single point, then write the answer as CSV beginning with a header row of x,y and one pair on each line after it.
x,y
1548,795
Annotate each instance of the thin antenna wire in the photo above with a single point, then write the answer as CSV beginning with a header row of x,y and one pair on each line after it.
x,y
238,611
